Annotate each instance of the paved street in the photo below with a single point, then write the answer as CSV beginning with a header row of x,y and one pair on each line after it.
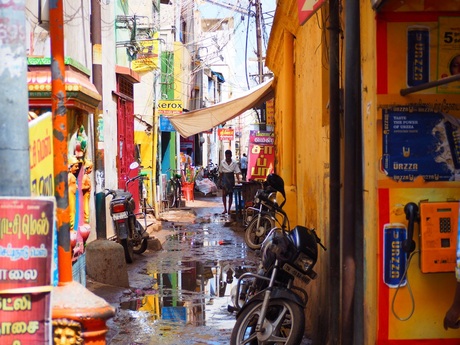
x,y
179,292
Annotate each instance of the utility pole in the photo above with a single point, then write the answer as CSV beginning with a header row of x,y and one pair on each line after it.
x,y
14,129
259,41
263,119
96,40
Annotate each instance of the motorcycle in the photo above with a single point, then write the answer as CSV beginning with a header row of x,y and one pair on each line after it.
x,y
261,217
270,309
211,172
129,232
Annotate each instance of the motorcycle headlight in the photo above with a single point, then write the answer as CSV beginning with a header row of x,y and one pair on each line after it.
x,y
304,262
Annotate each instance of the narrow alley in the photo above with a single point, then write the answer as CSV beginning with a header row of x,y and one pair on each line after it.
x,y
180,291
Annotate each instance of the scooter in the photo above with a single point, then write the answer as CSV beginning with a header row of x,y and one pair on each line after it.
x,y
270,309
129,232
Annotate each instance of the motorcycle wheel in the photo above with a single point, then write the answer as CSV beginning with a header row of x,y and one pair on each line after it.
x,y
254,235
141,246
128,248
284,323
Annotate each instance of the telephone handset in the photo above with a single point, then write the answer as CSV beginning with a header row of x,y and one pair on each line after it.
x,y
411,211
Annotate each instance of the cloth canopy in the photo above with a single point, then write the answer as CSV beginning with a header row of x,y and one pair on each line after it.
x,y
197,121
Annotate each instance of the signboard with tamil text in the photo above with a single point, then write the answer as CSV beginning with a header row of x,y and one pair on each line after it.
x,y
261,160
26,252
226,134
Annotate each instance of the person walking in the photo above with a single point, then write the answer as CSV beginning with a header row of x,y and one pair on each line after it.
x,y
244,166
228,168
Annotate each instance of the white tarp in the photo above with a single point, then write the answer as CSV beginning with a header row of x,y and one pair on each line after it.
x,y
197,121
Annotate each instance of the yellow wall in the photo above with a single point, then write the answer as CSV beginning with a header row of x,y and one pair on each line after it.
x,y
298,57
370,158
145,140
301,130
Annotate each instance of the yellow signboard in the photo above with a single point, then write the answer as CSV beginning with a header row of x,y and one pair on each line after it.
x,y
147,57
166,107
41,155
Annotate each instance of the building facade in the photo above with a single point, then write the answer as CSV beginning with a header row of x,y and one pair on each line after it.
x,y
364,109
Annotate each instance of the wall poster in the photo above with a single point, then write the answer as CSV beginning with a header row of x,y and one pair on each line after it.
x,y
420,142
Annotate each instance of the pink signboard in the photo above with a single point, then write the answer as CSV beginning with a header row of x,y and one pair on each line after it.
x,y
261,160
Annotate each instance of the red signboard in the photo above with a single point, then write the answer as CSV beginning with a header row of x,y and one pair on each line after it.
x,y
26,253
306,8
226,134
261,160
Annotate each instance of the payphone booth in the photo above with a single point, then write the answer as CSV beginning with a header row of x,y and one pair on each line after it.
x,y
419,177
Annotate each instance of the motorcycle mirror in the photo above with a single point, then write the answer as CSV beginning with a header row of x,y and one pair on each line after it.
x,y
133,165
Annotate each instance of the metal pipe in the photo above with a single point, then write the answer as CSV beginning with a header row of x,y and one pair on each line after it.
x,y
352,282
334,171
101,225
429,85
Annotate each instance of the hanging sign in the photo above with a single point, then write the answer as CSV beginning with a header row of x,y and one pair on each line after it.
x,y
306,8
226,134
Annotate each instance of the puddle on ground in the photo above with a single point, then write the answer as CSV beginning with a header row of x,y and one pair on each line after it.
x,y
194,276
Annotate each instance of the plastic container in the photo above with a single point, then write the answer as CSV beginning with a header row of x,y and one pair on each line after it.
x,y
187,191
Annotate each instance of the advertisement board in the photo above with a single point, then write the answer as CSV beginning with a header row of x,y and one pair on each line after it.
x,y
26,252
261,159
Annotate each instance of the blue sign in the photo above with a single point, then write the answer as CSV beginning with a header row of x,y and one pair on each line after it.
x,y
418,55
419,142
166,125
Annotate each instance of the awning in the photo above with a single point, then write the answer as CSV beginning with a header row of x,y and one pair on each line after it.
x,y
201,120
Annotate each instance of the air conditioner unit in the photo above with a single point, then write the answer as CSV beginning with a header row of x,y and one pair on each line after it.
x,y
44,14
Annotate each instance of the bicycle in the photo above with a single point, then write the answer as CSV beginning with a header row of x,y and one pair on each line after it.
x,y
146,208
174,190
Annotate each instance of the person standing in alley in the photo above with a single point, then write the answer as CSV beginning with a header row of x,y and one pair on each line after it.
x,y
244,166
228,168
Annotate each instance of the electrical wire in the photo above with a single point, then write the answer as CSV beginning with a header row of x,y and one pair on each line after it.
x,y
409,260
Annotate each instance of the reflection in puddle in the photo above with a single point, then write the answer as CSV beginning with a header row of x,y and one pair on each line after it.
x,y
193,275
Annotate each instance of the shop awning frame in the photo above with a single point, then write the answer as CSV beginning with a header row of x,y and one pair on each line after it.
x,y
201,120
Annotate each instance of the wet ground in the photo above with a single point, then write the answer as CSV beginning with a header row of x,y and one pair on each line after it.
x,y
179,294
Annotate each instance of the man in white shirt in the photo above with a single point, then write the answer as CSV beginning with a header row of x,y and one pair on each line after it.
x,y
228,168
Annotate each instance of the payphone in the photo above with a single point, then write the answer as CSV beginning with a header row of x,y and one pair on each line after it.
x,y
438,236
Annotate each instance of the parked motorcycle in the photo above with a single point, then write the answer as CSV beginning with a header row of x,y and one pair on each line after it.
x,y
129,232
270,309
261,217
211,172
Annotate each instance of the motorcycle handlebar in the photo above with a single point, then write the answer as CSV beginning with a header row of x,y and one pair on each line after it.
x,y
140,176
